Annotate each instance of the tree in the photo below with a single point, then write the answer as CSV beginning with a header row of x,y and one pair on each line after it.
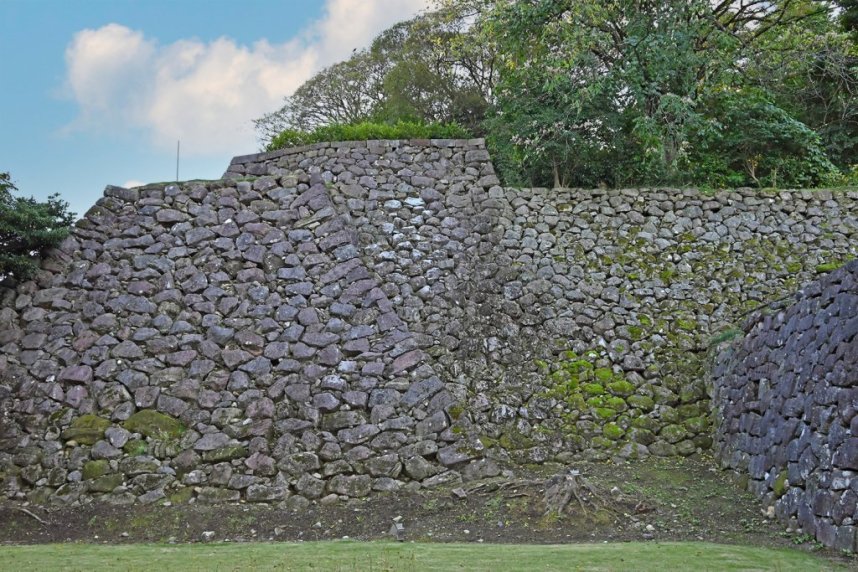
x,y
346,92
849,17
810,69
28,229
620,91
421,70
753,141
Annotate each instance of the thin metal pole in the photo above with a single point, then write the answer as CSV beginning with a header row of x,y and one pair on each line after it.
x,y
178,143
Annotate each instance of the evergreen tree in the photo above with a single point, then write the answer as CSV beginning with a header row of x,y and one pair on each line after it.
x,y
28,229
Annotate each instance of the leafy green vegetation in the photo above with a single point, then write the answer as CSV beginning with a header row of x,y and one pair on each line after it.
x,y
633,93
587,93
400,556
28,229
367,130
426,70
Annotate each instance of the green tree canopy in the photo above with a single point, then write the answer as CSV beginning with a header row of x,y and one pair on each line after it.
x,y
625,91
615,92
419,71
28,229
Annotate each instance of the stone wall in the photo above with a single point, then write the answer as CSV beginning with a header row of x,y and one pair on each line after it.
x,y
367,316
786,396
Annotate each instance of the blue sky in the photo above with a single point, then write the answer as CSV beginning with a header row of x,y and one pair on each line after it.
x,y
97,92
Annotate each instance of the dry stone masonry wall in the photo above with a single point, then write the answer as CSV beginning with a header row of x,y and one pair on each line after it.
x,y
350,317
786,397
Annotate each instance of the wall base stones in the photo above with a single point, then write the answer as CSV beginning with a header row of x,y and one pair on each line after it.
x,y
786,397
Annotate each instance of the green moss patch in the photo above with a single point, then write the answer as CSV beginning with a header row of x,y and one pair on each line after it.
x,y
135,447
621,387
94,469
106,483
154,424
781,485
182,496
86,429
225,454
613,431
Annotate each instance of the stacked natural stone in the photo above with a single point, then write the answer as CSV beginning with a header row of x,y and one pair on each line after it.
x,y
219,341
351,316
786,397
634,282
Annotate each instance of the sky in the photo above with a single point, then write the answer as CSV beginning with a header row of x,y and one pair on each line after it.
x,y
98,92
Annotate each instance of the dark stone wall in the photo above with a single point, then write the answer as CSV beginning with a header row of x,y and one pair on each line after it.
x,y
786,397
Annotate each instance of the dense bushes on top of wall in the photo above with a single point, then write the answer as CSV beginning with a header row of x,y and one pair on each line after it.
x,y
368,130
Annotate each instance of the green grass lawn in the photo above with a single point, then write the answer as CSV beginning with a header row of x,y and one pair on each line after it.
x,y
383,556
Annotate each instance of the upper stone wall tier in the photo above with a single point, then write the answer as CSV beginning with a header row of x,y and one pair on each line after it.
x,y
786,396
429,160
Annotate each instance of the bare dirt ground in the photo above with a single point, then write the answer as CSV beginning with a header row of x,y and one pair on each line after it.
x,y
654,499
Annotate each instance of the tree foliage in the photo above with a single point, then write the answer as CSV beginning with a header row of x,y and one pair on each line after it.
x,y
28,229
616,92
632,92
419,71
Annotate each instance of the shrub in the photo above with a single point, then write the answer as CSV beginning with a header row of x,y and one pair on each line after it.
x,y
368,130
28,229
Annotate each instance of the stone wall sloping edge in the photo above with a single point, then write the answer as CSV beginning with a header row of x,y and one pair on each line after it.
x,y
786,396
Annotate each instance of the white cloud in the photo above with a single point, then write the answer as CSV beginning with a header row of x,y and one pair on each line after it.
x,y
206,93
352,24
132,183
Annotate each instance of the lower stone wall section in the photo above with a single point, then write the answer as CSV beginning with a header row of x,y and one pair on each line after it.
x,y
786,398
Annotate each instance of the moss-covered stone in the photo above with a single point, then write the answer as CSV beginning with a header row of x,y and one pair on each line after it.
x,y
696,424
673,433
94,469
603,374
512,440
182,496
828,267
605,412
154,424
593,389
135,447
621,387
642,402
86,429
106,483
225,454
647,423
616,403
642,436
670,415
613,431
600,442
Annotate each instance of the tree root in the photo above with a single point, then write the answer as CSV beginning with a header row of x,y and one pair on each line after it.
x,y
32,514
562,489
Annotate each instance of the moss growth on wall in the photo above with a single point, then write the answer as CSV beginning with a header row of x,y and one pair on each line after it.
x,y
154,424
86,429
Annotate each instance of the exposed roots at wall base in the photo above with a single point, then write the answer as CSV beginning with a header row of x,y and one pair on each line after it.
x,y
561,490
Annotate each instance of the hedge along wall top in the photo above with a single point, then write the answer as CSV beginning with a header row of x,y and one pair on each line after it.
x,y
366,316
